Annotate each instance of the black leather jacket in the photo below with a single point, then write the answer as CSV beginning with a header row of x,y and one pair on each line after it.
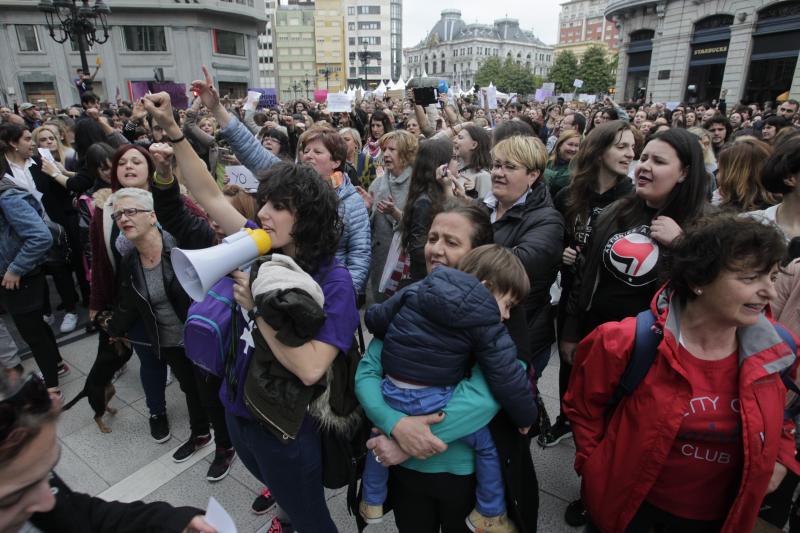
x,y
133,300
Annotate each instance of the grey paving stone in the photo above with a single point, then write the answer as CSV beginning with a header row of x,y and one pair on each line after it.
x,y
81,414
78,474
116,455
554,470
243,476
192,488
551,515
80,354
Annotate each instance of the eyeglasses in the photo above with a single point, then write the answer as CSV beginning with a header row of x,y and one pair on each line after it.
x,y
129,212
30,397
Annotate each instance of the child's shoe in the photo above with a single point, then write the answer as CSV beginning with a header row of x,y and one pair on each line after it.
x,y
372,514
490,524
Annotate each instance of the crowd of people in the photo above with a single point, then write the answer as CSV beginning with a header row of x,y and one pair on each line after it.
x,y
655,248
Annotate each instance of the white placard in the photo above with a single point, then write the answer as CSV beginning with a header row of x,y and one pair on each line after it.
x,y
588,99
338,103
672,105
549,87
491,96
47,154
219,518
240,175
577,84
252,100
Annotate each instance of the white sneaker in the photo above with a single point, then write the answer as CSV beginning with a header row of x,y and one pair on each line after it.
x,y
69,323
48,319
169,377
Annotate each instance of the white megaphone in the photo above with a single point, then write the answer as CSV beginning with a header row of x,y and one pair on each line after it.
x,y
199,270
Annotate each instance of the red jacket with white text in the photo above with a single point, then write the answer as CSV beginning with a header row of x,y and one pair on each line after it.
x,y
619,455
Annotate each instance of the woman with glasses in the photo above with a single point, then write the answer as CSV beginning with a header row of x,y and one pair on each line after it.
x,y
34,498
149,292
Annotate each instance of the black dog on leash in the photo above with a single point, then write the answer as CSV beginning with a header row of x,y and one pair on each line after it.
x,y
99,389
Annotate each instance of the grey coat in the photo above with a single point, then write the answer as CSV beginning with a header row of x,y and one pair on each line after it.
x,y
383,226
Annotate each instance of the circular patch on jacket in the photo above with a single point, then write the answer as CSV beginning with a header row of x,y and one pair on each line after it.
x,y
632,256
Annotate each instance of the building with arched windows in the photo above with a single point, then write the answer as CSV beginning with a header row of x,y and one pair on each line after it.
x,y
690,51
454,50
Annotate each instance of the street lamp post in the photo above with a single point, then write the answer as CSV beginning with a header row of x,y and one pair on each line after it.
x,y
79,23
307,82
364,56
295,87
327,73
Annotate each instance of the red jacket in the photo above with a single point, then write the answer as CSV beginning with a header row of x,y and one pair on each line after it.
x,y
620,457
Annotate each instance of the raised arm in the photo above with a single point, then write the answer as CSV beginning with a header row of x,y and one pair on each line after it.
x,y
197,178
210,98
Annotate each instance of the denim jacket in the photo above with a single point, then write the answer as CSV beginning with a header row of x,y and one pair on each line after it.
x,y
24,237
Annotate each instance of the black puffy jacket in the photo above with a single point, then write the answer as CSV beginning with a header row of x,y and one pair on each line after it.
x,y
432,328
534,231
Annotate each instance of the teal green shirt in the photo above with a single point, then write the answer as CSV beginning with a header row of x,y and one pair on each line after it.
x,y
471,407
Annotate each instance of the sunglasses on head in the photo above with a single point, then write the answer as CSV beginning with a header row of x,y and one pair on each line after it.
x,y
29,397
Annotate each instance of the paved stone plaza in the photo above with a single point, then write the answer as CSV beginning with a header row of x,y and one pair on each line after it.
x,y
127,465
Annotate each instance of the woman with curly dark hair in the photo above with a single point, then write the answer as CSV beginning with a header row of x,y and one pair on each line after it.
x,y
299,211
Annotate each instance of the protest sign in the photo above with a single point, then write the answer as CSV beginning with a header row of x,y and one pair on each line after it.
x,y
176,91
338,103
241,176
269,97
491,96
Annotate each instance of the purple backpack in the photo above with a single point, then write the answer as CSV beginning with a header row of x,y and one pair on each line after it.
x,y
210,332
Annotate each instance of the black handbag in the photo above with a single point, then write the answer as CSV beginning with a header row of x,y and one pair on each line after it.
x,y
59,253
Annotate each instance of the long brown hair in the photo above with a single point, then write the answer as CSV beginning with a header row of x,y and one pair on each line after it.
x,y
739,175
587,163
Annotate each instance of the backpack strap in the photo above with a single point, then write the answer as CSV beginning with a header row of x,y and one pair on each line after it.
x,y
645,347
787,337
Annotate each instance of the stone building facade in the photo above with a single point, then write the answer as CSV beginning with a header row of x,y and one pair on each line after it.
x,y
146,37
454,50
691,50
581,24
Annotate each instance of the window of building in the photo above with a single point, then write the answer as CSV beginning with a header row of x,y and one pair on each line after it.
x,y
27,38
369,25
351,10
351,41
396,10
369,10
229,43
145,38
351,26
369,40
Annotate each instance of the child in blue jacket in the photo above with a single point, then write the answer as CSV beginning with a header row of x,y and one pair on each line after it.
x,y
431,331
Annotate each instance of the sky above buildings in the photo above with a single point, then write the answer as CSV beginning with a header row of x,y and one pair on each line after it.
x,y
541,16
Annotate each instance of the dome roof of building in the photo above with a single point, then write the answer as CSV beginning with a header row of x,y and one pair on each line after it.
x,y
451,27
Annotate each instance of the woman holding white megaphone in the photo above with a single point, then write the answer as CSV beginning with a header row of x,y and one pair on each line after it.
x,y
300,213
